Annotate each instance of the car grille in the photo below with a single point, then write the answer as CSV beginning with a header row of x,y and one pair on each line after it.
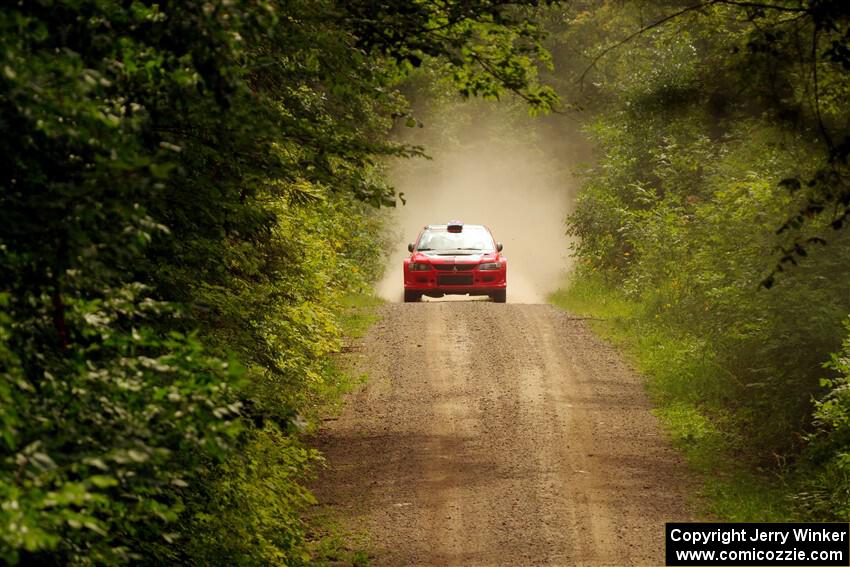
x,y
454,267
454,280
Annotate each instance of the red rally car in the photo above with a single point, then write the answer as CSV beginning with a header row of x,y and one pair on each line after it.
x,y
455,259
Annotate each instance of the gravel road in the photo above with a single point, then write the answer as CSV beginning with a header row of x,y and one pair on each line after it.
x,y
493,434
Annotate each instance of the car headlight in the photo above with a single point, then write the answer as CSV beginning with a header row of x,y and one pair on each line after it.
x,y
490,266
416,267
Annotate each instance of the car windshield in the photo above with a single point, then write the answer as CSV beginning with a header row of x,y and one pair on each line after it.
x,y
472,238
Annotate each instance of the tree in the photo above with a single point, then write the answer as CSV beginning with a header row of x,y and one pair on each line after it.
x,y
184,196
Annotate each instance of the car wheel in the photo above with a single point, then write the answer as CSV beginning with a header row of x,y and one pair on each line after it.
x,y
500,296
412,296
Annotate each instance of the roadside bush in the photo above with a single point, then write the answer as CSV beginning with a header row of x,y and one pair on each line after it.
x,y
100,445
826,471
251,514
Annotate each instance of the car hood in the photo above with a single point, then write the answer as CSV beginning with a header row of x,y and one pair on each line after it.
x,y
455,257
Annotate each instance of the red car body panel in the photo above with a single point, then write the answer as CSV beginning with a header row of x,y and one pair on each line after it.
x,y
456,272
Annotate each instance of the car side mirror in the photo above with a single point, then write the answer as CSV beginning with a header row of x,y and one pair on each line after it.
x,y
410,247
499,246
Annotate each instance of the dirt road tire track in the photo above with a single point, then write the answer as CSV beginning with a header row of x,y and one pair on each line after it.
x,y
499,435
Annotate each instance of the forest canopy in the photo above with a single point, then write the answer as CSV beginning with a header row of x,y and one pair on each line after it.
x,y
784,63
190,189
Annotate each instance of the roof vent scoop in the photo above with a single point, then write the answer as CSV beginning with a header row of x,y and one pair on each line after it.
x,y
454,226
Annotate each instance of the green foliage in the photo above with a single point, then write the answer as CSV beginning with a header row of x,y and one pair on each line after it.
x,y
187,192
252,512
826,474
101,444
490,46
718,62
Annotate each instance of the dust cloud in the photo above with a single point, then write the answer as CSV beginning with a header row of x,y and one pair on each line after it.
x,y
511,183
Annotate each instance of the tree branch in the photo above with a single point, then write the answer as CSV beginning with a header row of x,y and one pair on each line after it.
x,y
643,30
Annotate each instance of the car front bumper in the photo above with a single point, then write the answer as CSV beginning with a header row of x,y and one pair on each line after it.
x,y
473,282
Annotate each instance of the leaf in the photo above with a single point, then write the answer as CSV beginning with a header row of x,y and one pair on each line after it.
x,y
42,461
102,481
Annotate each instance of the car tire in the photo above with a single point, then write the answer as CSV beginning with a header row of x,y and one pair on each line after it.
x,y
500,296
412,296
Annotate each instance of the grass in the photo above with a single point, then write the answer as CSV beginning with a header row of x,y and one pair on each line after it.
x,y
359,312
689,398
333,545
329,543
